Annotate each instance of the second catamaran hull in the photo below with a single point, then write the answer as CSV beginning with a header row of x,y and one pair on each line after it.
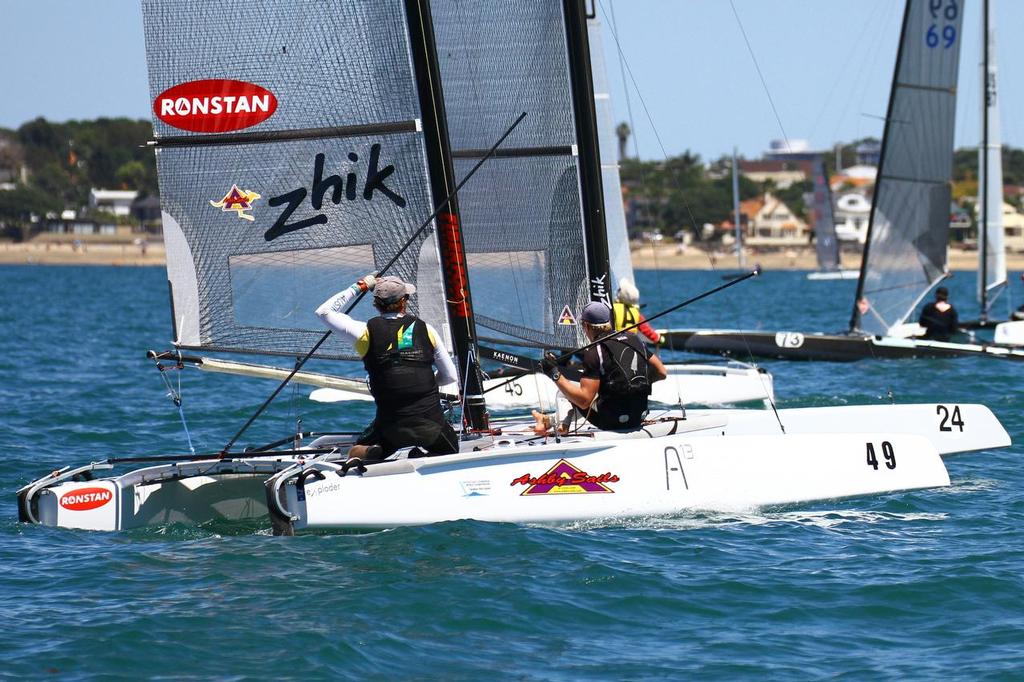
x,y
608,480
689,384
827,347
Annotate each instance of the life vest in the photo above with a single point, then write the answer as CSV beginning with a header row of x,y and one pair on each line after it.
x,y
622,397
625,315
399,362
629,367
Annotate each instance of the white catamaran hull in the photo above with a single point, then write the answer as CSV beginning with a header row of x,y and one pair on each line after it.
x,y
689,384
233,489
612,480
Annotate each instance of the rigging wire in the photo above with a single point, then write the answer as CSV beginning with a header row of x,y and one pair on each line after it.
x,y
760,75
624,64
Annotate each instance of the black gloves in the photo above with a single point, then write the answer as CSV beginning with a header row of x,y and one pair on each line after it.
x,y
549,365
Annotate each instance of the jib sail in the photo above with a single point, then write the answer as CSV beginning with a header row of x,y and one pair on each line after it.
x,y
291,161
522,217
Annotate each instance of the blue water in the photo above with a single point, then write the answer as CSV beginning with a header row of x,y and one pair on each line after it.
x,y
924,585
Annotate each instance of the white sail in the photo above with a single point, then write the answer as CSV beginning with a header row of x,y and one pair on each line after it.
x,y
614,213
905,253
992,270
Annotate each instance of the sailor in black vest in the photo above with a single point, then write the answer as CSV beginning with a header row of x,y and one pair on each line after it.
x,y
399,352
939,318
617,375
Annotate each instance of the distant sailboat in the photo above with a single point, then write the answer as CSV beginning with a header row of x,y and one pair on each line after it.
x,y
826,244
741,259
905,252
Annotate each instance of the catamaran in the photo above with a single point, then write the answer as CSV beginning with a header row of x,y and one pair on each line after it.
x,y
356,158
905,252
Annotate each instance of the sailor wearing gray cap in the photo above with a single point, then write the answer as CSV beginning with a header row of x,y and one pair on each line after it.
x,y
399,351
617,375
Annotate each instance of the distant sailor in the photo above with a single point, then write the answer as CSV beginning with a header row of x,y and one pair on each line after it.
x,y
626,311
399,352
617,376
939,318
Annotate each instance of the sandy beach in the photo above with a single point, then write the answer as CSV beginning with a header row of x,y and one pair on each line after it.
x,y
667,257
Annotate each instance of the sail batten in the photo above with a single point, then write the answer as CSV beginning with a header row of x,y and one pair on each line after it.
x,y
905,253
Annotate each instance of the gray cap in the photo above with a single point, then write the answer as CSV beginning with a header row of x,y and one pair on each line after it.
x,y
596,312
391,289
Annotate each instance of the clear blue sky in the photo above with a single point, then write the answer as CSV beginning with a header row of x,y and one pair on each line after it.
x,y
827,63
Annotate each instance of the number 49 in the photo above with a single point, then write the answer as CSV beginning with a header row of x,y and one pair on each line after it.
x,y
888,454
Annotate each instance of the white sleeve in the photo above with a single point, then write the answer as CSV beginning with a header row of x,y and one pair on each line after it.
x,y
446,373
330,312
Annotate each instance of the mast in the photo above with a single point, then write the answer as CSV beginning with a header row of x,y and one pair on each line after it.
x,y
736,211
442,181
855,316
592,195
983,228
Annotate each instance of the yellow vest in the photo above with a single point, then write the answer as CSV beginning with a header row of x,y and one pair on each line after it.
x,y
625,315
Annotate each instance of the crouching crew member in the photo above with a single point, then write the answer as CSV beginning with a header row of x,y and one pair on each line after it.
x,y
617,376
399,352
626,312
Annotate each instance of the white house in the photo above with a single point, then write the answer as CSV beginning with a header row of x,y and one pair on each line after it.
x,y
116,201
771,223
852,213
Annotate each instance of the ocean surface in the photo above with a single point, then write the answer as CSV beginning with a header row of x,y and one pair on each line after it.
x,y
925,585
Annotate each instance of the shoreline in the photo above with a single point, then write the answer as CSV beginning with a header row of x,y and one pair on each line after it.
x,y
662,257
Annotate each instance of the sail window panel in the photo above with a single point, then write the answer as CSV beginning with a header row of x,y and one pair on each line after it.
x,y
234,265
281,290
500,58
520,214
328,63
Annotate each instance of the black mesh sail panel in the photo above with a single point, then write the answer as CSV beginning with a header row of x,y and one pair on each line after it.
x,y
521,215
291,162
906,251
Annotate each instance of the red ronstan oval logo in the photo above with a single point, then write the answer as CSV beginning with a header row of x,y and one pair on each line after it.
x,y
85,499
214,106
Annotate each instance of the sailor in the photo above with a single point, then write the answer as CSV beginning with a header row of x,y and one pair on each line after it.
x,y
399,352
1018,314
626,311
939,318
617,376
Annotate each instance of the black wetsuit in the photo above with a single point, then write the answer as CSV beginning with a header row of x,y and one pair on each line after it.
x,y
940,325
400,364
621,365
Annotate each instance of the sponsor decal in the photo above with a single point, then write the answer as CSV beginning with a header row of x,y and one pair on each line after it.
x,y
478,488
565,478
599,290
239,201
85,499
215,105
566,319
335,188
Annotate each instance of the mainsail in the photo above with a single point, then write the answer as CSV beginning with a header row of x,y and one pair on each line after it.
x,y
291,160
905,253
992,273
825,242
523,218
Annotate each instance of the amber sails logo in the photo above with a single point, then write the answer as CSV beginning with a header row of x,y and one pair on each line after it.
x,y
85,499
565,478
214,105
